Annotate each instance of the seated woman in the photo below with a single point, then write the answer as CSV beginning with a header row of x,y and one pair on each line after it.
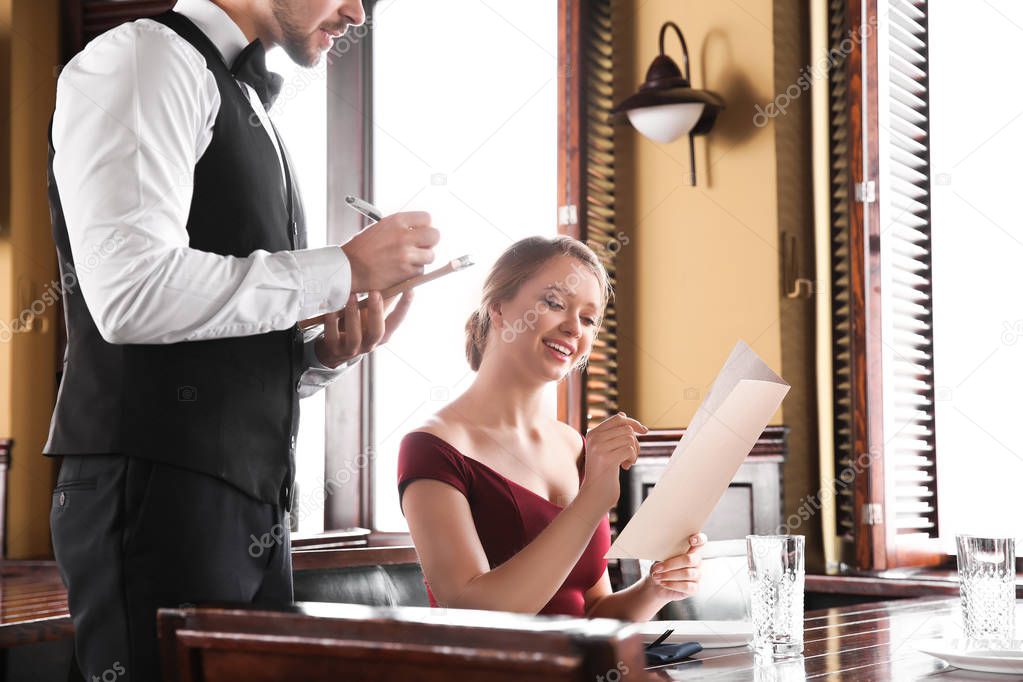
x,y
506,505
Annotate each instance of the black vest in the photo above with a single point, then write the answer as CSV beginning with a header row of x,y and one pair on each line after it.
x,y
226,407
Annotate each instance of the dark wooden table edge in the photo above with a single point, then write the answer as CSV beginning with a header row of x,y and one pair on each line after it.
x,y
34,631
873,586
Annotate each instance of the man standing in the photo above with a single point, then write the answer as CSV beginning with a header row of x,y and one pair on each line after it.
x,y
181,244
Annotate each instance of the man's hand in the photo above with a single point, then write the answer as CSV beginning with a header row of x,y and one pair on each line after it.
x,y
342,340
391,251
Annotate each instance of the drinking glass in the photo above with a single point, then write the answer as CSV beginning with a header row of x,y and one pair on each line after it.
x,y
777,575
769,669
987,575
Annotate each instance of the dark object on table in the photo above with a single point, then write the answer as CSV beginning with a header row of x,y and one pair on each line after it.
x,y
671,653
664,636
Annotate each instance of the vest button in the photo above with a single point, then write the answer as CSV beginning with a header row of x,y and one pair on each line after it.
x,y
61,499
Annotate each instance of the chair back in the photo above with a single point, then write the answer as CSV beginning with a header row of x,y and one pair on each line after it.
x,y
379,576
321,642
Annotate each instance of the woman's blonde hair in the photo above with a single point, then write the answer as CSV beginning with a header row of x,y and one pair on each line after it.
x,y
518,263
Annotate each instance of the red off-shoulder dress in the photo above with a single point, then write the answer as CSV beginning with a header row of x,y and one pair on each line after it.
x,y
507,515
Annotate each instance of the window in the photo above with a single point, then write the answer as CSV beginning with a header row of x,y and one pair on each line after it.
x,y
924,300
467,131
978,244
299,114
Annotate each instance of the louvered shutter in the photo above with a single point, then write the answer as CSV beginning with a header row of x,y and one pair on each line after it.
x,y
602,371
586,189
905,244
841,309
882,353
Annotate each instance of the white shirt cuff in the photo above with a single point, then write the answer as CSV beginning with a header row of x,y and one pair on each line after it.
x,y
326,280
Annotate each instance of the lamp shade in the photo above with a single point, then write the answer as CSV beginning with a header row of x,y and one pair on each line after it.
x,y
666,122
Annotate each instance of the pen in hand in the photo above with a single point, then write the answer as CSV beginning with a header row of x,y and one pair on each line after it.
x,y
365,208
376,215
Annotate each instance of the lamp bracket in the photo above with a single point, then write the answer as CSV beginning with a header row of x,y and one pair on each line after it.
x,y
681,40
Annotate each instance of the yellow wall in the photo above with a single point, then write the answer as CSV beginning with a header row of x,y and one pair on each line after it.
x,y
29,31
703,261
703,265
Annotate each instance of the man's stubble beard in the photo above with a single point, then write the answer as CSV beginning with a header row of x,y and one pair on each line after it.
x,y
294,42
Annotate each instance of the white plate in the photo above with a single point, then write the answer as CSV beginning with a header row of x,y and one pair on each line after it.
x,y
972,657
711,634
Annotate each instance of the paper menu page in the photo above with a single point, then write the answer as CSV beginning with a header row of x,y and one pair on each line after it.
x,y
742,399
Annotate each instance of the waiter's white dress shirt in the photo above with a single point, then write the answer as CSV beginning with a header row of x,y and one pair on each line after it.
x,y
135,112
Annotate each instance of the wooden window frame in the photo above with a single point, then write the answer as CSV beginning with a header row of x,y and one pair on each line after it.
x,y
875,543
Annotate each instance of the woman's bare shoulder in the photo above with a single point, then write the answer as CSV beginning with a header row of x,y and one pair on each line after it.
x,y
572,438
443,425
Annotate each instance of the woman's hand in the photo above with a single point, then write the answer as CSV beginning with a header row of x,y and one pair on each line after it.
x,y
677,577
610,445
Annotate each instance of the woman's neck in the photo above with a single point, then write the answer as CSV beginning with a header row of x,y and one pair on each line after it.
x,y
499,398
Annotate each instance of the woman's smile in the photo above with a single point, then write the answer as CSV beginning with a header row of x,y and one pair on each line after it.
x,y
558,350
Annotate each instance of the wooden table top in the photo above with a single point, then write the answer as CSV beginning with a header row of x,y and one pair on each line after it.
x,y
33,603
863,642
872,642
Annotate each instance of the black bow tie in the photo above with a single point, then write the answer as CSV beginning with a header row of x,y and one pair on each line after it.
x,y
250,68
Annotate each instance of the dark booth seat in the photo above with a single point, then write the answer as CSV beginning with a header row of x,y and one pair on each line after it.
x,y
383,576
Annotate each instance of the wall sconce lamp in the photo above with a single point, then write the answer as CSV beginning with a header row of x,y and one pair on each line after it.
x,y
667,106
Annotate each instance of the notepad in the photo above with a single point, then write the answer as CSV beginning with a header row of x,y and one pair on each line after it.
x,y
711,634
726,426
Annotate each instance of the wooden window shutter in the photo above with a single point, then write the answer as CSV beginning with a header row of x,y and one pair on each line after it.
x,y
841,283
886,484
586,188
905,243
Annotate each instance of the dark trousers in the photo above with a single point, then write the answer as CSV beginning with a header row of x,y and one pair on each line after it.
x,y
131,535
